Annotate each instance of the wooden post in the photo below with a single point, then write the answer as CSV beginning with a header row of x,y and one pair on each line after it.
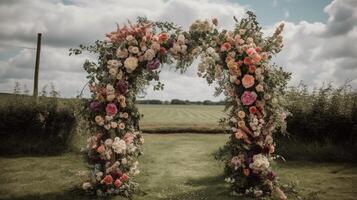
x,y
37,66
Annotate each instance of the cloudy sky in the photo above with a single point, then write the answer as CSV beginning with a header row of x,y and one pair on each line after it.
x,y
320,38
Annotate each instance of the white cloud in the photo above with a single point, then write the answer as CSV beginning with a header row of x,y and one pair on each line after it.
x,y
314,52
320,53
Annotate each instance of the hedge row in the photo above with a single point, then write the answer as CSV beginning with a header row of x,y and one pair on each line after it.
x,y
34,127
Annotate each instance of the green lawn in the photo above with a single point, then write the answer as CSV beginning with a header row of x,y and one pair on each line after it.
x,y
180,117
175,166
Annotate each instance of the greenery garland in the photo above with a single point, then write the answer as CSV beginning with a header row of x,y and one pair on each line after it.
x,y
238,61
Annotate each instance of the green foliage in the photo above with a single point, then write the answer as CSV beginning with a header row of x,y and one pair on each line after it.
x,y
328,114
28,126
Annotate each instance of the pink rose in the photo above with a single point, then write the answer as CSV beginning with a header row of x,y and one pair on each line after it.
x,y
128,138
248,98
111,109
256,58
251,51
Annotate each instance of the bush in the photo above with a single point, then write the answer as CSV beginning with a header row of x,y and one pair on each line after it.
x,y
327,114
30,127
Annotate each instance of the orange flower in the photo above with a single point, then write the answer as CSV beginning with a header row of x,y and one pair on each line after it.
x,y
108,179
241,123
248,81
241,114
163,37
253,109
117,183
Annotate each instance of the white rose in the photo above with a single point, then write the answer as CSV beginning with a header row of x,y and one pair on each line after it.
x,y
210,51
107,126
108,142
114,124
260,163
86,186
130,64
149,54
181,39
108,118
119,146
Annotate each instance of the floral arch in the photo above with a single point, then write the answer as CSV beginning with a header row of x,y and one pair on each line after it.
x,y
237,60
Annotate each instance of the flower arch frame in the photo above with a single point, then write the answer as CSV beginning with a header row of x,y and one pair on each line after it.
x,y
238,61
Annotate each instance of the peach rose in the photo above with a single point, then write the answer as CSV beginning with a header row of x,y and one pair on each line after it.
x,y
130,64
259,88
241,114
248,81
108,179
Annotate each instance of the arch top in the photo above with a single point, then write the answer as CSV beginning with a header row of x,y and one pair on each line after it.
x,y
237,60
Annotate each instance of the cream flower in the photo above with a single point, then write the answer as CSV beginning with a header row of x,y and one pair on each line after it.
x,y
86,186
109,89
110,97
113,71
119,146
108,142
181,39
260,163
149,54
122,53
131,64
113,64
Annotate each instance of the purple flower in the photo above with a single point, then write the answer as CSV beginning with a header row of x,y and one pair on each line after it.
x,y
95,105
271,175
121,87
153,64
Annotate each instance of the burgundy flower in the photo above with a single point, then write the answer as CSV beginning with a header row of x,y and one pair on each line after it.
x,y
121,87
153,64
271,175
95,105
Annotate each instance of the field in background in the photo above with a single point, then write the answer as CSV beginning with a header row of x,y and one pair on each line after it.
x,y
181,118
174,167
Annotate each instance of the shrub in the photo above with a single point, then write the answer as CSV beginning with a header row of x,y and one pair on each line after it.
x,y
30,127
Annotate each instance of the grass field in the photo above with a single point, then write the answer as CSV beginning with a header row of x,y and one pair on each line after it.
x,y
175,166
181,118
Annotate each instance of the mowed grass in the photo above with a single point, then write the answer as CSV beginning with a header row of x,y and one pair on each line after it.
x,y
174,166
199,118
